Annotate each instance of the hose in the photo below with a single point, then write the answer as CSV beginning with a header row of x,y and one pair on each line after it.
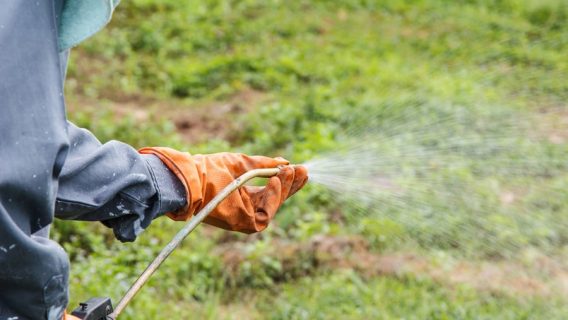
x,y
184,232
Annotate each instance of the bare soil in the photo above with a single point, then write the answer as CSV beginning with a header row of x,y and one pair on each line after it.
x,y
543,276
196,122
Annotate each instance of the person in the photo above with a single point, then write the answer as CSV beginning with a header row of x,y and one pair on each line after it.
x,y
51,168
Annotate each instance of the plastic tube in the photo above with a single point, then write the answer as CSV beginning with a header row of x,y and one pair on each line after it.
x,y
185,231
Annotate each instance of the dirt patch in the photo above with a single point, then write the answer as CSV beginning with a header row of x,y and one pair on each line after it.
x,y
217,120
196,122
543,277
497,277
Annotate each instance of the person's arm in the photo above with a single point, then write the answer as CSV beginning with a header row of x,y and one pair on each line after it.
x,y
126,189
114,184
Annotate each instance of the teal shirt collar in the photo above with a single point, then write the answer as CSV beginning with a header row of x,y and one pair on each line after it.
x,y
81,19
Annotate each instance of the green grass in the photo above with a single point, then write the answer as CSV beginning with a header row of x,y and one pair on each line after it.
x,y
347,296
322,68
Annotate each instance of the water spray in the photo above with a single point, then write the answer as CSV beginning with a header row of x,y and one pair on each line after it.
x,y
101,308
462,176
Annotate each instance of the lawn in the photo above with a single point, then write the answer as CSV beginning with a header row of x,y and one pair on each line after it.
x,y
483,238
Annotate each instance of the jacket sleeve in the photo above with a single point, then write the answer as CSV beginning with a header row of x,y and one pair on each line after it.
x,y
34,270
114,184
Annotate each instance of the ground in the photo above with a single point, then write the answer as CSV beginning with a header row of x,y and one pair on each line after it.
x,y
293,79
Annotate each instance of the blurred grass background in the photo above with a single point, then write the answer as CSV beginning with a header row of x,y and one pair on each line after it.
x,y
288,78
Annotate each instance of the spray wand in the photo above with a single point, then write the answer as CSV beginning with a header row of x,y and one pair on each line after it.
x,y
101,308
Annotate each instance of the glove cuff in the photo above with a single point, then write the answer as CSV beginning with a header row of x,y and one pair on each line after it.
x,y
183,166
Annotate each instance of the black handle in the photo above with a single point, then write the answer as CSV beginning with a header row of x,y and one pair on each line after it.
x,y
94,309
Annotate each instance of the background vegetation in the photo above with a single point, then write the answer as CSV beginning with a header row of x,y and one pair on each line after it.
x,y
291,78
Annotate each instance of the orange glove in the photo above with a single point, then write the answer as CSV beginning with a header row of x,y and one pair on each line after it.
x,y
67,316
249,209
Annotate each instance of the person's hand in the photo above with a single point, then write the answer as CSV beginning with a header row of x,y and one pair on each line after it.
x,y
249,209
